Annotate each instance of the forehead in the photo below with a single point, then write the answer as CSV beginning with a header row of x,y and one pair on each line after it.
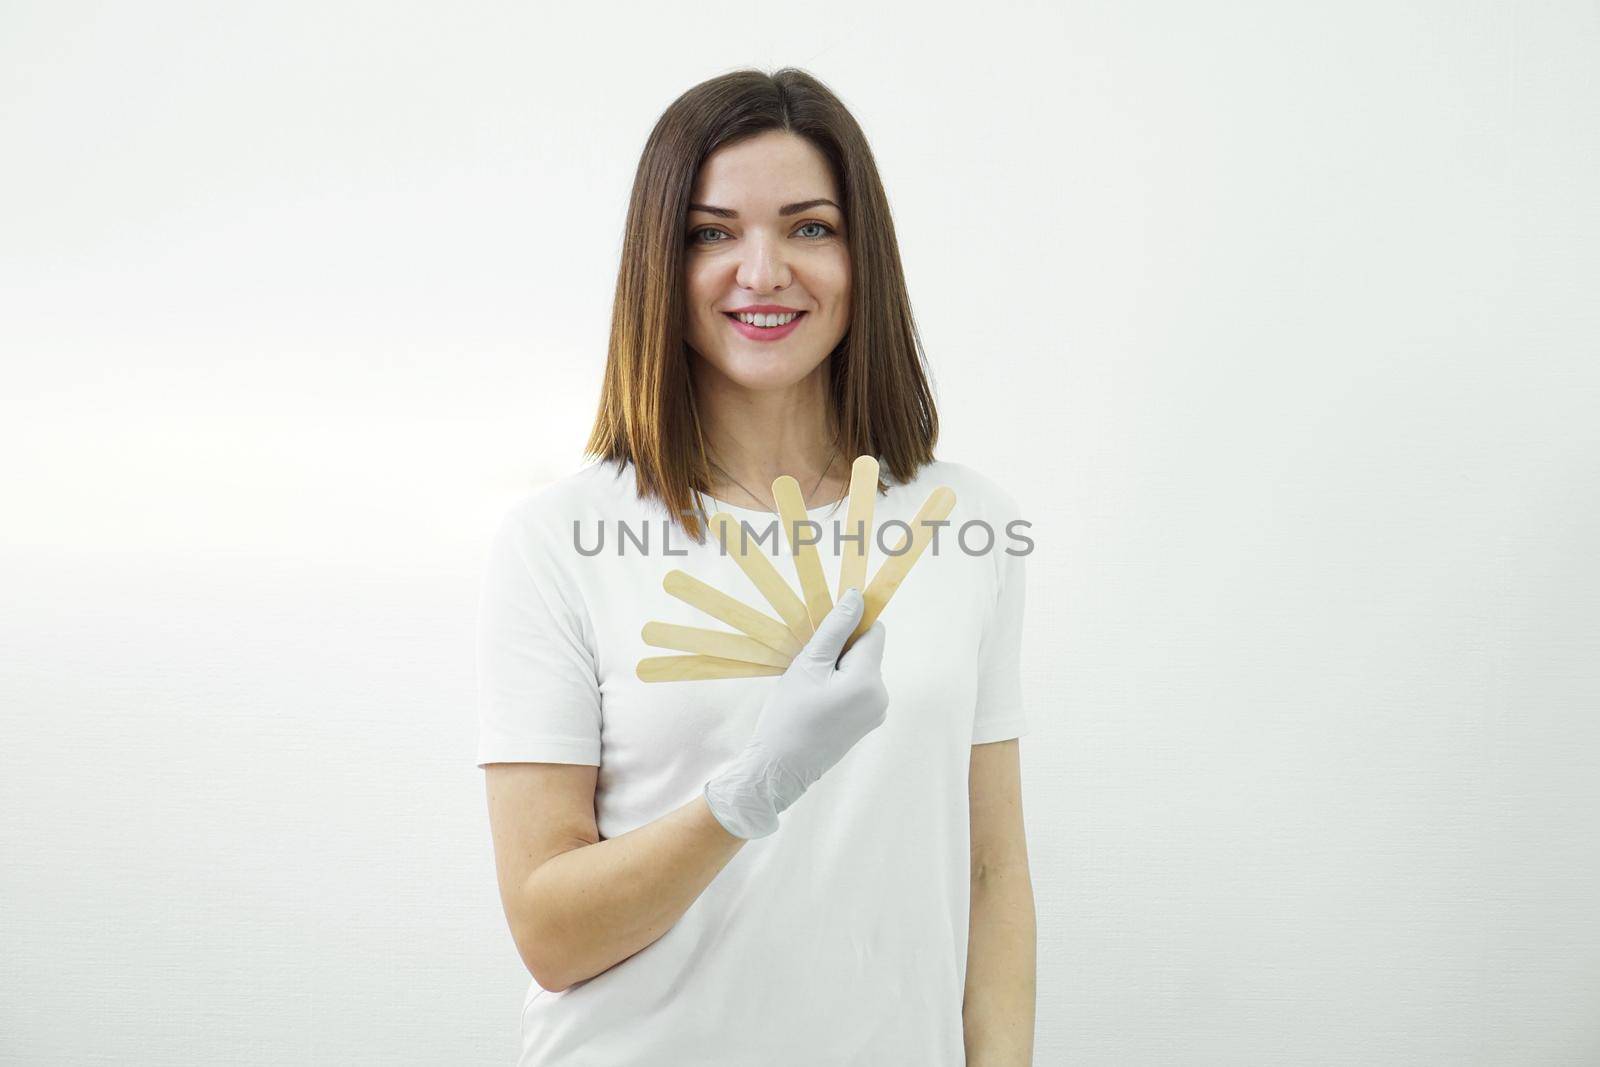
x,y
764,171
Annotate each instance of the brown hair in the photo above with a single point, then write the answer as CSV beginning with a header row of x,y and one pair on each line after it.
x,y
882,397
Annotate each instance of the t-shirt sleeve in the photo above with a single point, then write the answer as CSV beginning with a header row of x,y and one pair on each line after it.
x,y
1000,714
538,687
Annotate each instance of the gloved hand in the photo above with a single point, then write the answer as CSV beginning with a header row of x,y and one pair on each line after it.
x,y
810,720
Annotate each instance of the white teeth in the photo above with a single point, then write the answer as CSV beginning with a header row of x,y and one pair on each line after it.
x,y
767,320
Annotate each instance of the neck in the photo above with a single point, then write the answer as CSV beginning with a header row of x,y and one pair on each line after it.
x,y
756,436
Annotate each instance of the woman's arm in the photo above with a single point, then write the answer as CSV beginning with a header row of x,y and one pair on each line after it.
x,y
998,1010
578,905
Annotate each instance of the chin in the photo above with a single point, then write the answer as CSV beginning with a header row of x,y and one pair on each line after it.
x,y
765,374
759,370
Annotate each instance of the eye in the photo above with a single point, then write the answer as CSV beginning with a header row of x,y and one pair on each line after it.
x,y
827,231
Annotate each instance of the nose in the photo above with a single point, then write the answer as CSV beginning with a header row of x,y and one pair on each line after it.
x,y
763,266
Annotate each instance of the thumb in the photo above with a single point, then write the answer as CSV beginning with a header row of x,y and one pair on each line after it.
x,y
823,648
866,655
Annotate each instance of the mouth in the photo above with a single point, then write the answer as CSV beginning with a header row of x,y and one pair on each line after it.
x,y
765,333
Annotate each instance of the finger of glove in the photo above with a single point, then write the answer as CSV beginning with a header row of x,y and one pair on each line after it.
x,y
865,657
837,626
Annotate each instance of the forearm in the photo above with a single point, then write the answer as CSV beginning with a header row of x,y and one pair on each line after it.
x,y
998,1009
591,907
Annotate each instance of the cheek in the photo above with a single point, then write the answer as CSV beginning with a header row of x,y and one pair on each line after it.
x,y
701,297
694,283
841,280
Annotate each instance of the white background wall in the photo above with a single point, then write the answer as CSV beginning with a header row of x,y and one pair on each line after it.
x,y
1279,319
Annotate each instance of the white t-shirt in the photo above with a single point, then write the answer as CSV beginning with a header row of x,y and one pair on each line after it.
x,y
842,937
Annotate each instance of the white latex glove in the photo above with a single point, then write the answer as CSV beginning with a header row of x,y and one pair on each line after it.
x,y
812,717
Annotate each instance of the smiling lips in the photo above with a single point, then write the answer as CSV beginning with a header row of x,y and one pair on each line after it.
x,y
765,333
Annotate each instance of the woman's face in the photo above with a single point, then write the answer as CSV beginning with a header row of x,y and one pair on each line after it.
x,y
765,228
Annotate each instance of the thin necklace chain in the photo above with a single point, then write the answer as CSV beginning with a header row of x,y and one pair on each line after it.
x,y
814,488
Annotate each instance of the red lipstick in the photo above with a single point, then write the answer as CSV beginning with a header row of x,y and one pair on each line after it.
x,y
766,333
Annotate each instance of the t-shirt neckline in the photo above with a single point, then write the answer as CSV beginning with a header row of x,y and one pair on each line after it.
x,y
722,505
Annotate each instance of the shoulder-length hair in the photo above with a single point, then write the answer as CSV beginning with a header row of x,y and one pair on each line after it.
x,y
880,389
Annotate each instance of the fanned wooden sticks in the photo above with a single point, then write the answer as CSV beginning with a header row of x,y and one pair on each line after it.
x,y
763,645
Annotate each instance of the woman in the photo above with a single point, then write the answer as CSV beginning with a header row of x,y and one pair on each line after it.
x,y
673,896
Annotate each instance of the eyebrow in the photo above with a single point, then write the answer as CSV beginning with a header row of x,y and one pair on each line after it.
x,y
787,209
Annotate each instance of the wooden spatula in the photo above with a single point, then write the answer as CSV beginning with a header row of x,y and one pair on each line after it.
x,y
759,569
741,616
698,668
855,543
712,643
797,527
896,567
